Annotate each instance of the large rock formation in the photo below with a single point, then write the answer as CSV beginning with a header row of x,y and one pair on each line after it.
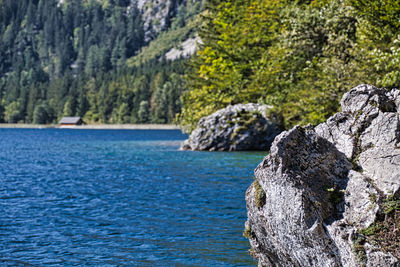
x,y
329,196
238,127
157,14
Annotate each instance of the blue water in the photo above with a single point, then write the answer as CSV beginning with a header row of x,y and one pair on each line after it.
x,y
120,197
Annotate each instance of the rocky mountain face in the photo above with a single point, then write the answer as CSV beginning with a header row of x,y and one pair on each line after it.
x,y
238,127
329,195
157,14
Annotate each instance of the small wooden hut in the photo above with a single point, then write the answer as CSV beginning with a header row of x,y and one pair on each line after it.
x,y
71,121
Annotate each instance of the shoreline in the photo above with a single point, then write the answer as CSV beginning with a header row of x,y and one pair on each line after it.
x,y
92,126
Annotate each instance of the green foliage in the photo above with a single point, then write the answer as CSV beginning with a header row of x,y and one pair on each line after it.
x,y
89,58
120,114
316,64
43,114
378,50
143,112
371,230
71,59
13,112
298,56
391,204
291,55
381,16
236,35
69,108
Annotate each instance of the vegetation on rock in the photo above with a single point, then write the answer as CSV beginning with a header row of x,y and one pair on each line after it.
x,y
259,194
385,232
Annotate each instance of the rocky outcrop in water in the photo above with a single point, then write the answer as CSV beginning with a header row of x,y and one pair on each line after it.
x,y
238,127
329,195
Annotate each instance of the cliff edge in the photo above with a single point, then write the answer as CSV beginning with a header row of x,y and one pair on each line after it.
x,y
329,195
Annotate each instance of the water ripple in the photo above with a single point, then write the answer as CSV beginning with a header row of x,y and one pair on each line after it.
x,y
113,198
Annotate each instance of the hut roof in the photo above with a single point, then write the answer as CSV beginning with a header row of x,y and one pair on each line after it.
x,y
70,120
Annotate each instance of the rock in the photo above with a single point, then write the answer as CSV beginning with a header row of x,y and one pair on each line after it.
x,y
157,15
368,132
324,189
154,11
238,127
187,49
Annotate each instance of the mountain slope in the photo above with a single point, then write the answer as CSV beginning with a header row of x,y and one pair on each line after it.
x,y
69,57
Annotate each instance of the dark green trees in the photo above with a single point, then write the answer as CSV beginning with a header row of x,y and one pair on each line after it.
x,y
69,59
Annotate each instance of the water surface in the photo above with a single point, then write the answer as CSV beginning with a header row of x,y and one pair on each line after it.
x,y
120,197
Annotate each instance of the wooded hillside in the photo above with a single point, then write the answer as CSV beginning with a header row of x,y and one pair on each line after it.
x,y
297,56
92,58
69,58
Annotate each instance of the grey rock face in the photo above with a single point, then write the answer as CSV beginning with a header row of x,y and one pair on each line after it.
x,y
368,132
238,127
156,13
323,186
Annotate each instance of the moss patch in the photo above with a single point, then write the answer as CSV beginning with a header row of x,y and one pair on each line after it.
x,y
359,250
260,196
237,131
248,233
385,231
245,120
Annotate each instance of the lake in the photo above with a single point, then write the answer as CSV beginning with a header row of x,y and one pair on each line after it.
x,y
120,197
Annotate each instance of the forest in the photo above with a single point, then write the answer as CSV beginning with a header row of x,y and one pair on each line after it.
x,y
89,58
78,58
297,56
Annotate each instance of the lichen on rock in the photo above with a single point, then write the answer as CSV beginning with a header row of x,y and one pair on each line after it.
x,y
332,192
237,127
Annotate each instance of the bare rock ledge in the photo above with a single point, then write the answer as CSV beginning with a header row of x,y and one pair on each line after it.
x,y
329,195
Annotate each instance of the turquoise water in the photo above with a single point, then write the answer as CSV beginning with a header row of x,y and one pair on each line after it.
x,y
120,197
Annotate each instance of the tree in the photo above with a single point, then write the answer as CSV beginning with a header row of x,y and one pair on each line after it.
x,y
120,114
12,113
316,64
160,109
1,110
143,113
69,107
236,36
378,50
43,114
71,55
296,56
